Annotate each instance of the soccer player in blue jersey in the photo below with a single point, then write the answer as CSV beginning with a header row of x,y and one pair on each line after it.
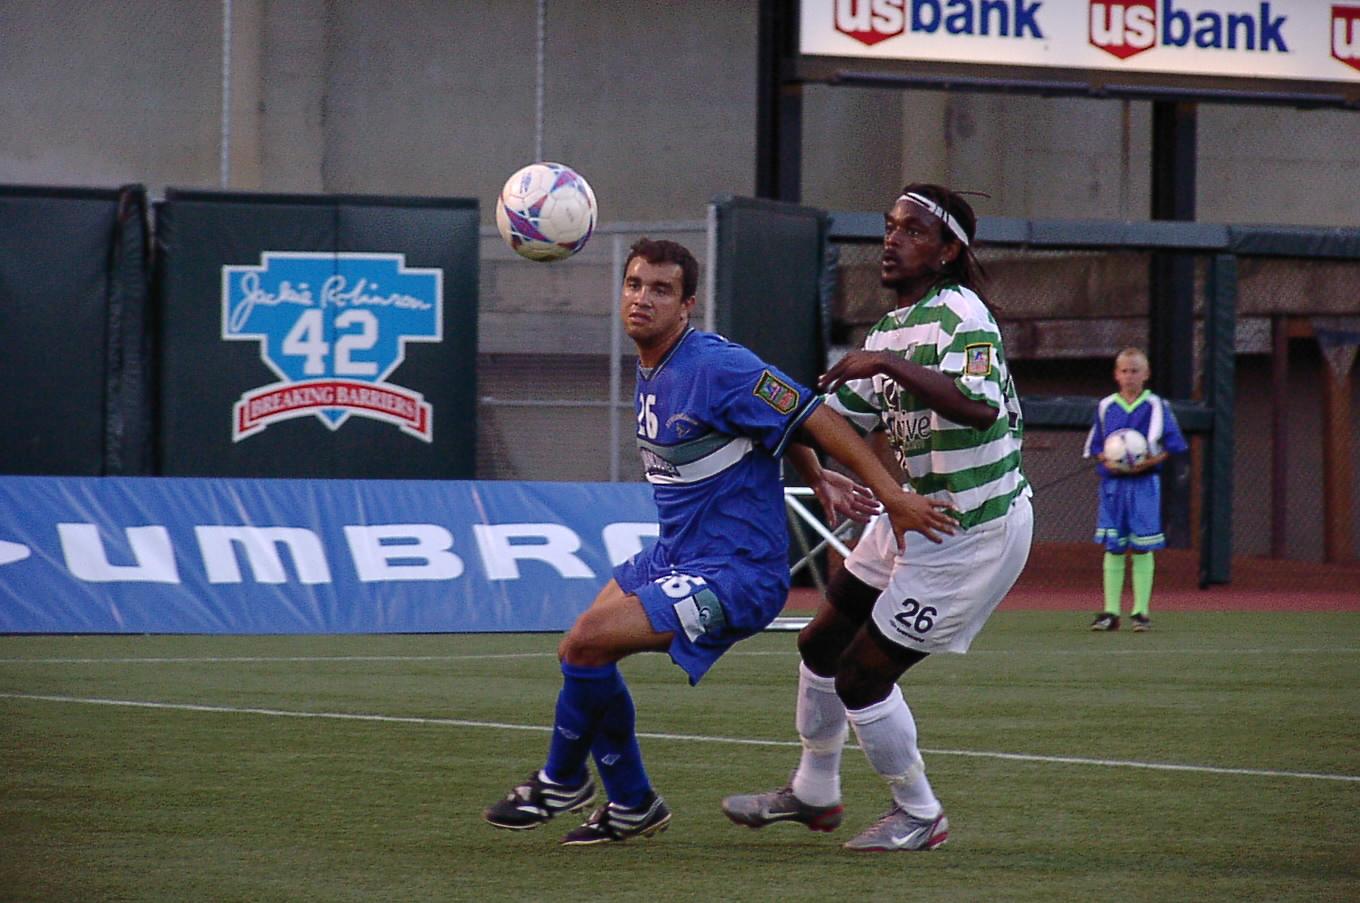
x,y
1130,516
712,423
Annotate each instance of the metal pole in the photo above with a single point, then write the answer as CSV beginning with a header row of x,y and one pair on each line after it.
x,y
1125,155
1171,320
538,79
225,150
1220,377
1279,436
615,368
779,104
711,270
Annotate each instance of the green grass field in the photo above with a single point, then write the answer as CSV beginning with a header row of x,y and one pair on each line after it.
x,y
1216,758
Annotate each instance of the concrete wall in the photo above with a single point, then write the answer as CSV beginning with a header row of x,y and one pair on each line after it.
x,y
99,94
653,101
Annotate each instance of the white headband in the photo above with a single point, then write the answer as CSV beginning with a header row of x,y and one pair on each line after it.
x,y
939,212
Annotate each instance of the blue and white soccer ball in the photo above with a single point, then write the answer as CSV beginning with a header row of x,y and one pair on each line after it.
x,y
546,211
1124,450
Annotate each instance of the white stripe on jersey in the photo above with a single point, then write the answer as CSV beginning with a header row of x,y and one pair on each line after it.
x,y
951,460
1155,427
663,472
970,499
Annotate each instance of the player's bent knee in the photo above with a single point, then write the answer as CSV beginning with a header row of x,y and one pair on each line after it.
x,y
821,645
604,634
850,596
584,645
584,653
859,687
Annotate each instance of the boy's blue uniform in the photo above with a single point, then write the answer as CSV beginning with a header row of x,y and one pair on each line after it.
x,y
712,421
1130,515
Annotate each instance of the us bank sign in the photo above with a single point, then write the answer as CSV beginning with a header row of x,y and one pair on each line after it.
x,y
333,328
1314,40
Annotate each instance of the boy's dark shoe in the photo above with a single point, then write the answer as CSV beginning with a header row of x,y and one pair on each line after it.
x,y
1105,621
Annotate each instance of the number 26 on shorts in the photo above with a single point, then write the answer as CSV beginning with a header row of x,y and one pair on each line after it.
x,y
916,619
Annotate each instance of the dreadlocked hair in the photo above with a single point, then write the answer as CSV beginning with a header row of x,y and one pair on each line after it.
x,y
965,269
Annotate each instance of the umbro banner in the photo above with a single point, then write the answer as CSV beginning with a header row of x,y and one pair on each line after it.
x,y
183,555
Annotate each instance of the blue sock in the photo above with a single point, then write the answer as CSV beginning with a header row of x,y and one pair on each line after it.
x,y
617,753
585,692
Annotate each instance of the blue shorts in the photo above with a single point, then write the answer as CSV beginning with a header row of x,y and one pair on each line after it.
x,y
709,605
1130,517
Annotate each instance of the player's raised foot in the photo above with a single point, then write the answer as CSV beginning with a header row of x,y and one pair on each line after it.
x,y
756,810
1141,623
1105,621
900,831
536,801
612,822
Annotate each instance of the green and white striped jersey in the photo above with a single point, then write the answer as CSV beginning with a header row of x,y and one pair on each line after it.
x,y
977,471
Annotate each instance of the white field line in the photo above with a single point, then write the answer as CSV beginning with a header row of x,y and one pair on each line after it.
x,y
256,659
695,738
259,659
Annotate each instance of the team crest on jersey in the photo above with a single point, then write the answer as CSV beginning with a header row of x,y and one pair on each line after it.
x,y
683,424
332,327
776,393
977,359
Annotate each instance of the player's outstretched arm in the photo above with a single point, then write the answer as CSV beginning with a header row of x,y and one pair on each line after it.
x,y
838,495
933,387
831,433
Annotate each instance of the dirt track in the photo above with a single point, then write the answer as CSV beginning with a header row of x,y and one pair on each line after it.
x,y
1067,577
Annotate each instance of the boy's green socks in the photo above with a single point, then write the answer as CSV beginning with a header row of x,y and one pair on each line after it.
x,y
1142,582
1114,581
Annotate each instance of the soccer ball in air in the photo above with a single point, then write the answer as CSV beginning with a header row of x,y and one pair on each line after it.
x,y
546,211
1124,450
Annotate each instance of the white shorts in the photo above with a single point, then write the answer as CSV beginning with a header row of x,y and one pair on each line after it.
x,y
936,597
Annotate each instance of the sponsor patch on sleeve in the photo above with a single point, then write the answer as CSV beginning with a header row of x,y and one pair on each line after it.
x,y
776,393
977,359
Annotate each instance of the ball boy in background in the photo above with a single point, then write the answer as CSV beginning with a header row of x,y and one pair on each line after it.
x,y
1129,522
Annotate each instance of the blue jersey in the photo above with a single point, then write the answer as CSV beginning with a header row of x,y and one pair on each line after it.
x,y
1149,414
712,421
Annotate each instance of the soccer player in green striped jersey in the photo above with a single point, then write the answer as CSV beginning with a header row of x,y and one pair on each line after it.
x,y
933,375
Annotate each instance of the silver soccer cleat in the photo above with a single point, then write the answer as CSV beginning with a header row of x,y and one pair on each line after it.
x,y
756,810
899,831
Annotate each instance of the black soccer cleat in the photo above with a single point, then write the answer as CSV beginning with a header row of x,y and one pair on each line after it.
x,y
612,822
1141,623
536,801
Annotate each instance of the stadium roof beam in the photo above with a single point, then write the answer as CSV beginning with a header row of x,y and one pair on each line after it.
x,y
1092,89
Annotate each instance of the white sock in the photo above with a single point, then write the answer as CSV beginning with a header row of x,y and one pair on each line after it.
x,y
822,728
887,732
